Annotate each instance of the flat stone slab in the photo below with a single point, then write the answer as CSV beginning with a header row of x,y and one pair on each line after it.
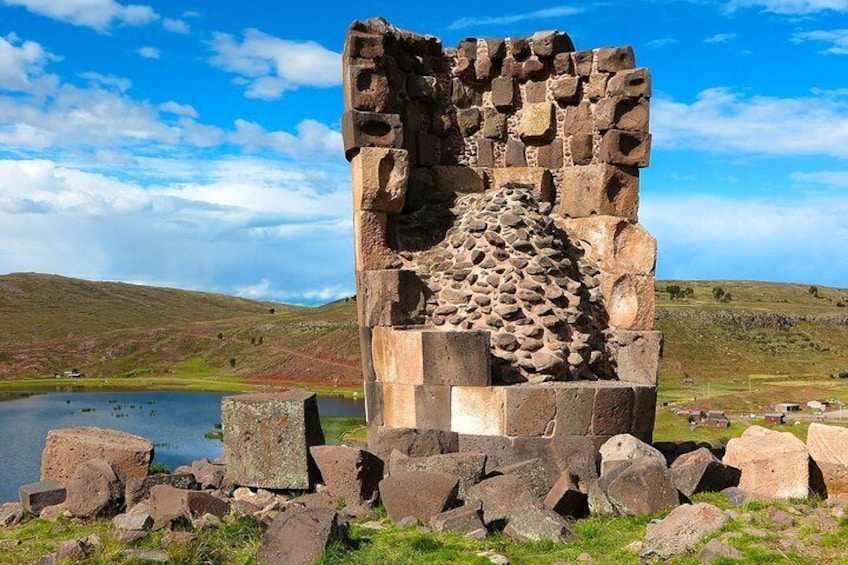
x,y
36,497
67,448
267,437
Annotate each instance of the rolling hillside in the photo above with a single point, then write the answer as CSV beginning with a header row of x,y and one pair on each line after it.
x,y
766,333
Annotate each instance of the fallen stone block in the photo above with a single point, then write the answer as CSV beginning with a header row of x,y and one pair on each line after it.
x,y
95,490
419,494
300,537
36,497
463,519
701,471
566,499
267,437
774,465
146,555
170,506
210,476
682,530
536,524
411,442
639,488
624,448
828,448
139,489
469,468
532,474
67,448
348,473
133,522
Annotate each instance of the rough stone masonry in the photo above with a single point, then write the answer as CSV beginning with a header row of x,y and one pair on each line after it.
x,y
505,287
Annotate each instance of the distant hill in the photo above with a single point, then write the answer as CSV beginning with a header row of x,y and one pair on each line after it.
x,y
50,324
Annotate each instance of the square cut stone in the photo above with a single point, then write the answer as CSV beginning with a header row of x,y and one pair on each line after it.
x,y
536,123
477,410
601,189
364,45
625,148
617,245
623,113
582,147
416,356
551,156
633,82
538,178
267,437
575,406
65,449
637,355
367,88
390,297
370,129
566,90
374,403
460,179
424,407
529,410
399,405
380,176
613,412
503,93
630,300
614,59
36,497
494,124
370,231
644,411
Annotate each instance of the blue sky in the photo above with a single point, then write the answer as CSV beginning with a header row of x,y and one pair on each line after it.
x,y
196,144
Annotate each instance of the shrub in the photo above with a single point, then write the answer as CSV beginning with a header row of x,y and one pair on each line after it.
x,y
718,292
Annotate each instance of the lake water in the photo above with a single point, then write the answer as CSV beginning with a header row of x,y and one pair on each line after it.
x,y
175,422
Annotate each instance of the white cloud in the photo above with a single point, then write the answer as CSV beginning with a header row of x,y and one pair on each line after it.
x,y
264,289
543,14
100,15
792,7
708,237
268,65
149,53
21,63
175,25
837,38
829,179
721,38
724,121
177,109
120,84
311,138
661,42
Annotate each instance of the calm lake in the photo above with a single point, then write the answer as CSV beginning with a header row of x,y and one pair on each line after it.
x,y
175,422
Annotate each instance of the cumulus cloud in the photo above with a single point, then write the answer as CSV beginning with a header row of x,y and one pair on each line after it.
x,y
120,84
722,120
836,39
792,7
311,138
149,53
268,66
543,14
175,25
177,109
100,15
21,63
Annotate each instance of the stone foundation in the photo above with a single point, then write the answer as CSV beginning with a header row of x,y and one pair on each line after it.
x,y
505,286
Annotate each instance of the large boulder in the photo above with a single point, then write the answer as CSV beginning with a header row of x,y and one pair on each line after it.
x,y
420,494
169,506
95,490
828,448
348,473
622,448
701,471
468,467
682,530
35,497
641,487
67,448
299,536
774,465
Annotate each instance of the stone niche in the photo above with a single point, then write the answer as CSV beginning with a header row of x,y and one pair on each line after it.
x,y
505,287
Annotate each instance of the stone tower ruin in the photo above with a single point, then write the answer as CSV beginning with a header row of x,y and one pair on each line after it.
x,y
505,287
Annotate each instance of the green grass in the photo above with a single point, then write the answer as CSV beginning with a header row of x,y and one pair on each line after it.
x,y
340,429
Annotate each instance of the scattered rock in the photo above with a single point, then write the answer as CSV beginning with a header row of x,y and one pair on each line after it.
x,y
300,536
701,471
532,473
141,521
774,465
641,487
95,490
11,514
717,549
171,506
463,519
36,497
625,447
146,555
468,467
177,539
477,534
53,513
421,494
350,474
736,496
682,530
565,498
72,550
779,518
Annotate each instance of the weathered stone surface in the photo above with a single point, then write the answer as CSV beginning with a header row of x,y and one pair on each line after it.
x,y
599,190
639,488
494,123
828,448
535,92
515,154
370,236
370,129
301,536
463,519
532,474
503,93
623,113
267,437
469,468
364,45
455,179
623,448
380,176
637,355
625,148
566,90
551,156
477,410
366,88
170,506
614,59
633,83
774,465
536,124
137,490
617,245
37,496
717,549
575,407
630,300
11,514
550,43
682,530
420,494
389,297
485,152
95,491
529,410
431,357
67,448
468,120
582,146
133,522
348,473
613,412
537,178
414,443
701,471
